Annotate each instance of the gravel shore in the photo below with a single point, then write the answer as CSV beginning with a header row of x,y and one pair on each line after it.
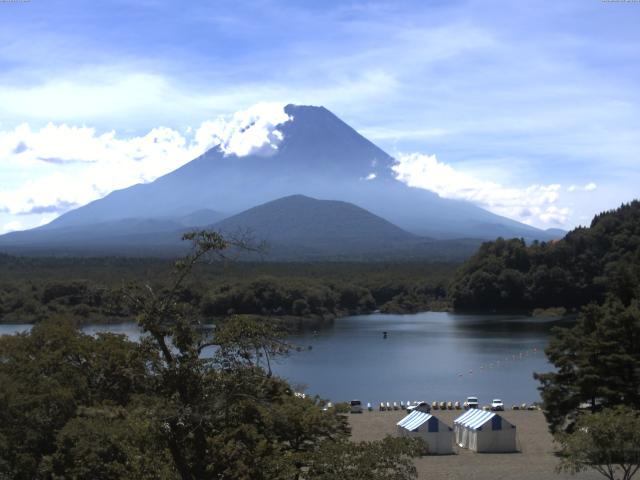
x,y
534,460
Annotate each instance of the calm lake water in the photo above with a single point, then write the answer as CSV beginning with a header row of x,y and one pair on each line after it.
x,y
426,356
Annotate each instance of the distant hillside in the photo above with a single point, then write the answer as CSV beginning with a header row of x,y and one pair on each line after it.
x,y
132,236
581,268
301,228
295,228
557,233
322,226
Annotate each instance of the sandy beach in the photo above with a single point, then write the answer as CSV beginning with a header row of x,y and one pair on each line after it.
x,y
534,460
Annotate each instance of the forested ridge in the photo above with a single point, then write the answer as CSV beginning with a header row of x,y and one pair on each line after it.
x,y
89,290
504,275
596,271
591,398
585,266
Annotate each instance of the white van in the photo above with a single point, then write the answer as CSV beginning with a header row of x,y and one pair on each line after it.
x,y
356,406
472,402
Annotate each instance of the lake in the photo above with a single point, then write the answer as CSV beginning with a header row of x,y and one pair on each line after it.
x,y
425,356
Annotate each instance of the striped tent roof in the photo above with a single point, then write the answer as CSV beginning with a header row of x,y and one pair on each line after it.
x,y
412,421
474,418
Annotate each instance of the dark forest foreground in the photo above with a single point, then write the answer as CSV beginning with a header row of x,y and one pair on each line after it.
x,y
105,408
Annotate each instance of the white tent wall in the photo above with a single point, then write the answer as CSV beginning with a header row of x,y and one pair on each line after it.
x,y
481,431
501,441
437,435
458,433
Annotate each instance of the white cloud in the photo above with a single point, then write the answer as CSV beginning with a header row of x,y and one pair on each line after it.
x,y
371,176
11,227
589,187
60,167
252,131
534,204
554,215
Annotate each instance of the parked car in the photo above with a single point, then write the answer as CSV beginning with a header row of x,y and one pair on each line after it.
x,y
472,402
356,406
422,406
497,405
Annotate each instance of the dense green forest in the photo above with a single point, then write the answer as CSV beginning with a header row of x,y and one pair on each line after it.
x,y
583,267
90,289
595,383
504,275
76,406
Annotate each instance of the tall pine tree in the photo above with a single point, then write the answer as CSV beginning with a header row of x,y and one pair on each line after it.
x,y
597,363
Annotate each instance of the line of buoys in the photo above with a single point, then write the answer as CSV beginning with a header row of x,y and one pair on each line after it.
x,y
498,363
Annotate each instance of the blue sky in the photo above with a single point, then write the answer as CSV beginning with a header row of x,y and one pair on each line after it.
x,y
530,109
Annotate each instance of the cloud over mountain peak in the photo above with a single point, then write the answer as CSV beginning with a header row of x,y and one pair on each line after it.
x,y
533,204
71,165
253,131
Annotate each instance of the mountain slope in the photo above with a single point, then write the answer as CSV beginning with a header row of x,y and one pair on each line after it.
x,y
294,228
323,227
319,151
129,234
298,227
320,156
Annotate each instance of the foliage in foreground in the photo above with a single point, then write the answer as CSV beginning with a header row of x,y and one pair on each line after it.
x,y
597,363
77,406
389,459
608,442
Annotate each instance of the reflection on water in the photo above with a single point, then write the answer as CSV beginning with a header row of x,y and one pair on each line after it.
x,y
430,356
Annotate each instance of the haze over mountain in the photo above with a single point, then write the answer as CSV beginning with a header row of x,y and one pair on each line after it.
x,y
306,228
292,228
315,154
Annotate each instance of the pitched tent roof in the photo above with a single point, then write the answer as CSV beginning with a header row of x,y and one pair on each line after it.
x,y
475,419
412,421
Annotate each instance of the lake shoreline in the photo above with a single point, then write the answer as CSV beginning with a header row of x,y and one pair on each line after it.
x,y
428,356
535,459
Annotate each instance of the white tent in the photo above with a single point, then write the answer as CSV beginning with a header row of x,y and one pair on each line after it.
x,y
482,431
437,435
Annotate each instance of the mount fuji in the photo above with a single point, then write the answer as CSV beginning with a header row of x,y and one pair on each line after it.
x,y
314,155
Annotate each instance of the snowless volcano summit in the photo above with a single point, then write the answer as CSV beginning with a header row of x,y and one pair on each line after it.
x,y
311,152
